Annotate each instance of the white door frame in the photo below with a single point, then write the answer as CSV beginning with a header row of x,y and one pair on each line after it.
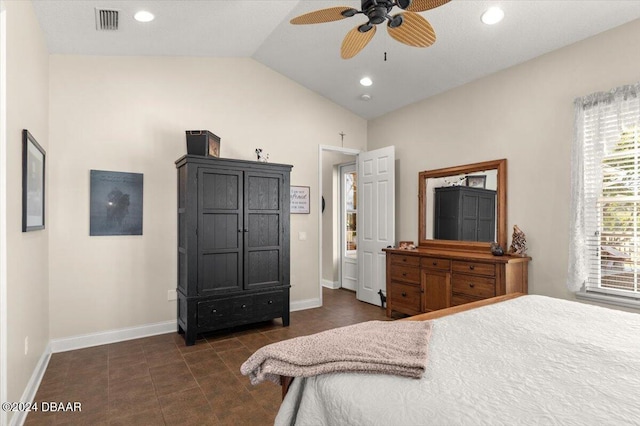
x,y
3,209
321,149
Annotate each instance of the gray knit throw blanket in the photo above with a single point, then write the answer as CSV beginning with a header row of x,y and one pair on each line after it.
x,y
383,347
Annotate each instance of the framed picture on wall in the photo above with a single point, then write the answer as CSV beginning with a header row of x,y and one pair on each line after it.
x,y
300,203
115,203
33,162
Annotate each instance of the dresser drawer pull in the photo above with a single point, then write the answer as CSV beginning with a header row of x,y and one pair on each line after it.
x,y
213,311
404,274
435,263
270,302
243,306
404,294
472,267
472,285
404,259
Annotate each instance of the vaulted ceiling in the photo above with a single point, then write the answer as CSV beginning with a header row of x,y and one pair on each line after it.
x,y
465,50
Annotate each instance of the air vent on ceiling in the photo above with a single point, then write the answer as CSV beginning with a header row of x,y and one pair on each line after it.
x,y
107,20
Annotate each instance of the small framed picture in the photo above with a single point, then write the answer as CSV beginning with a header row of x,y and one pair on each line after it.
x,y
33,162
477,181
300,200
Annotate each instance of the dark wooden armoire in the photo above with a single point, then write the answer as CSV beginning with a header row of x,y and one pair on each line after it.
x,y
233,243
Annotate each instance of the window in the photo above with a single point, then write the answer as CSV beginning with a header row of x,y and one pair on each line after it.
x,y
605,237
351,212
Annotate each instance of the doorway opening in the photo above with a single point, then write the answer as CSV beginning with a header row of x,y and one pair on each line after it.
x,y
330,249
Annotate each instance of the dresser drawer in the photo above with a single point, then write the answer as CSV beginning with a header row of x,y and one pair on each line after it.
x,y
405,296
459,299
435,263
402,259
405,273
472,285
488,269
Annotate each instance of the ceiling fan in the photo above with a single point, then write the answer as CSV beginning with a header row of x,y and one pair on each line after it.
x,y
407,27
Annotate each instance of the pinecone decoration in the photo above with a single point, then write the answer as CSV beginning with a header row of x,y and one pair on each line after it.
x,y
518,242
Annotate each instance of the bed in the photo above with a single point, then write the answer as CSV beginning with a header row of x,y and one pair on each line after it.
x,y
526,360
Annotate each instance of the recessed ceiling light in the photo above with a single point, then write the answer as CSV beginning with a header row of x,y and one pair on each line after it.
x,y
366,81
144,16
493,15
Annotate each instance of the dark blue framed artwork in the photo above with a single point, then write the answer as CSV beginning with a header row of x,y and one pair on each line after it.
x,y
116,203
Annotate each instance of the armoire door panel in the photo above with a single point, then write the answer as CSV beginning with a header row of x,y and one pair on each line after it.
x,y
220,272
263,192
220,231
264,230
263,268
223,189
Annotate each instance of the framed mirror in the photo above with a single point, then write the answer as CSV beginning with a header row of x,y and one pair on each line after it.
x,y
463,207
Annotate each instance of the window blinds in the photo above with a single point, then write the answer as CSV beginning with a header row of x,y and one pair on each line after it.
x,y
611,192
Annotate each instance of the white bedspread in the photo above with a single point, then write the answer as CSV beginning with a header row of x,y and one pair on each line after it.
x,y
532,360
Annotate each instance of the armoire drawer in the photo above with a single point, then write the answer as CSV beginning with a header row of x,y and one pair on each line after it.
x,y
472,285
220,311
405,296
214,311
405,273
267,302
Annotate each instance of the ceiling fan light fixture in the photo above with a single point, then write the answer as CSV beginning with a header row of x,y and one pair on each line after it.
x,y
396,21
366,81
492,16
144,16
365,27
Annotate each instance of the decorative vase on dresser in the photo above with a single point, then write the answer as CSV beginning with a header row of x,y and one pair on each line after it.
x,y
233,243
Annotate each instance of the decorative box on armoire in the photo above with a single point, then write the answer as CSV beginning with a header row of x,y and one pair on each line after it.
x,y
233,243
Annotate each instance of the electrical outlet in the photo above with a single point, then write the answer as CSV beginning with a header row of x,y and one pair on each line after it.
x,y
172,295
26,345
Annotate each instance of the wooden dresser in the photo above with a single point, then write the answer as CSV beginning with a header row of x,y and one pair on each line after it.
x,y
425,280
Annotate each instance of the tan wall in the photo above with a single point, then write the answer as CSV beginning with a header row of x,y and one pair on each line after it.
x,y
524,114
27,253
129,114
330,218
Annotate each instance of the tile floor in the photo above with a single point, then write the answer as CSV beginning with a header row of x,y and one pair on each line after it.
x,y
158,380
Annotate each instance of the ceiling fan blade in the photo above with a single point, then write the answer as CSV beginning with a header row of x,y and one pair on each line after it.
x,y
324,15
355,41
413,31
422,5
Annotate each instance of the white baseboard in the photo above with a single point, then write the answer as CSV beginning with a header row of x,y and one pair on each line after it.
x,y
94,339
29,393
301,305
331,284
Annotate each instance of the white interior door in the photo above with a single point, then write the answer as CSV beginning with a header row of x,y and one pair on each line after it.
x,y
376,227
